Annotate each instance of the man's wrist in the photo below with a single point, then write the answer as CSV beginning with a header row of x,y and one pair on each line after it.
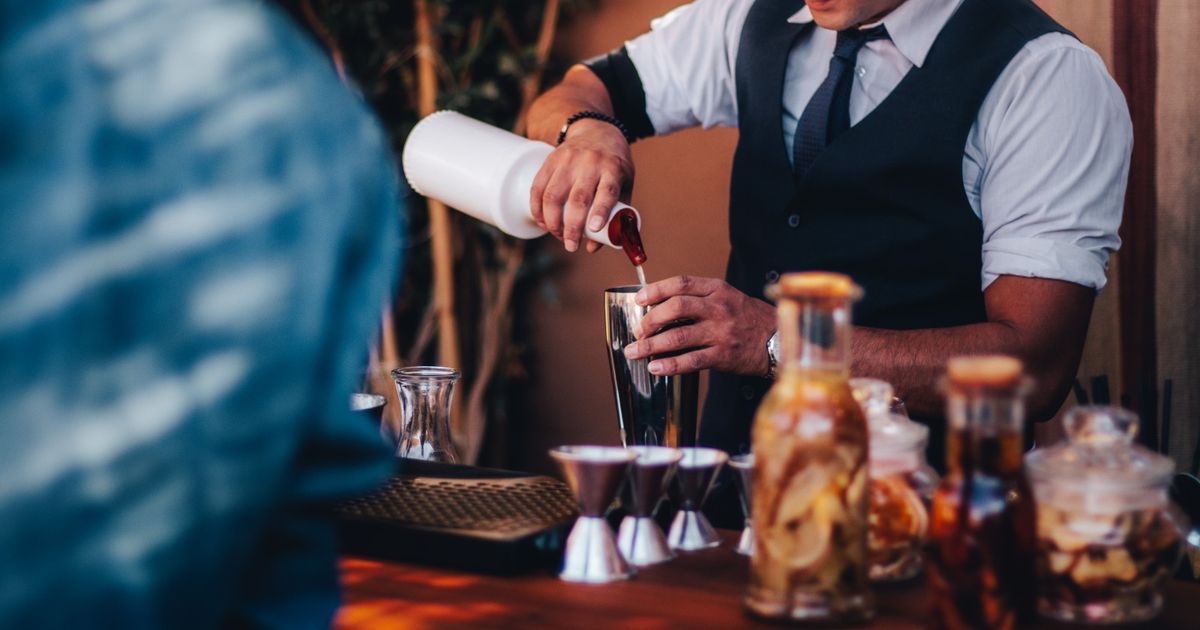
x,y
593,122
594,129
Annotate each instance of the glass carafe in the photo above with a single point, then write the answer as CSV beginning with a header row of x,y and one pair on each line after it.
x,y
809,506
902,484
1108,535
426,393
981,552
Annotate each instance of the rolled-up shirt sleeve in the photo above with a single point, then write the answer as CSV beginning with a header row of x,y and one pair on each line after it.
x,y
1053,186
680,73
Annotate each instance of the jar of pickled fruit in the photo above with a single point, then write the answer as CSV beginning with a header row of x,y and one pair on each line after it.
x,y
901,484
809,507
1107,533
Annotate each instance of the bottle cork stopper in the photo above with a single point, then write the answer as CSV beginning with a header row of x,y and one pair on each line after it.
x,y
816,284
989,371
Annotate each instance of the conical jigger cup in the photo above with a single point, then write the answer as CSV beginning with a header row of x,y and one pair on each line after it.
x,y
697,470
744,465
594,474
640,539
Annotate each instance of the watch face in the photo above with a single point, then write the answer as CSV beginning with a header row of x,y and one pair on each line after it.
x,y
772,354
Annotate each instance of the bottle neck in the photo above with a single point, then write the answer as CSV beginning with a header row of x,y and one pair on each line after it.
x,y
814,335
986,431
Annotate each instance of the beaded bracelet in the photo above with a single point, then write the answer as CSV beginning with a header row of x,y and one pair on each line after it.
x,y
562,134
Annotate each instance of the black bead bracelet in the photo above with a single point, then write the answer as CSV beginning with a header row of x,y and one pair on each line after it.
x,y
562,134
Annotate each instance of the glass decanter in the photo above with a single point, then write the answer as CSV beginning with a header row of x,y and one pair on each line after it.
x,y
809,506
426,393
981,553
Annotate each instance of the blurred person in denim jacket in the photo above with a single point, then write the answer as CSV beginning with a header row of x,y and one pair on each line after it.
x,y
197,223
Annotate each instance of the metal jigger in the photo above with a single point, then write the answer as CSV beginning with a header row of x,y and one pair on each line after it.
x,y
744,465
697,470
640,539
594,474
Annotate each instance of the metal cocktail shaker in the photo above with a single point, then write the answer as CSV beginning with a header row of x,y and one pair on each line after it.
x,y
652,410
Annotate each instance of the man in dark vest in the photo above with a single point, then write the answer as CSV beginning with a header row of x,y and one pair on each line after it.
x,y
963,160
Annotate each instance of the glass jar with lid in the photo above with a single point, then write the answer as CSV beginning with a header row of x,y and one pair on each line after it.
x,y
809,505
1107,533
901,484
982,521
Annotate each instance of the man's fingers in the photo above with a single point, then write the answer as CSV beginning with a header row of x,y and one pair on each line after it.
x,y
574,186
538,190
553,201
667,341
607,192
695,361
679,285
593,247
672,310
576,210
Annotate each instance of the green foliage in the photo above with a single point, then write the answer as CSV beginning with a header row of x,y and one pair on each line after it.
x,y
485,48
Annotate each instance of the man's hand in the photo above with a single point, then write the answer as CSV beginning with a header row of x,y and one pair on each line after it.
x,y
582,179
590,171
728,329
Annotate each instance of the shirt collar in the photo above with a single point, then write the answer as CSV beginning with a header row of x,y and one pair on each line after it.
x,y
912,26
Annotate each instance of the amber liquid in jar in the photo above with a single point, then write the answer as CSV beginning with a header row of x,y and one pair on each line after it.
x,y
983,522
899,528
810,481
901,484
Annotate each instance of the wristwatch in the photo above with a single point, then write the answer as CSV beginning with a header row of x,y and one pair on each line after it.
x,y
772,354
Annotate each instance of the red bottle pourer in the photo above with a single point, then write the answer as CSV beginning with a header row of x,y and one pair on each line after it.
x,y
624,233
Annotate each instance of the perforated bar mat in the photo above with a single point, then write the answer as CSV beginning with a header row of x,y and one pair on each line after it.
x,y
471,518
497,509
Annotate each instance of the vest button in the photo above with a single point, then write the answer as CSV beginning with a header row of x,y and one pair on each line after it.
x,y
772,275
747,392
794,220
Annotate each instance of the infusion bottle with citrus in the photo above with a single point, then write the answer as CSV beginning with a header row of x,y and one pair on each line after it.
x,y
810,447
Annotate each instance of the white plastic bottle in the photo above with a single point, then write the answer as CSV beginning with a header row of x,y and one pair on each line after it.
x,y
487,173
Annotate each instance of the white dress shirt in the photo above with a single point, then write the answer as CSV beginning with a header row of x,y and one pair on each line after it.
x,y
1045,164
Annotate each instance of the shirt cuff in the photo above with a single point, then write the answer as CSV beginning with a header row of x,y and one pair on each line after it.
x,y
1044,258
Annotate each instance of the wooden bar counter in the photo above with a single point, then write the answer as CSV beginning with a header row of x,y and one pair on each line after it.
x,y
697,590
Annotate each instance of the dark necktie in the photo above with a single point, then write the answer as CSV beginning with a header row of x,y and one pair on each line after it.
x,y
828,113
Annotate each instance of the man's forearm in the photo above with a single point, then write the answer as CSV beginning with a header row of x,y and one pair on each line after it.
x,y
913,360
1040,321
580,90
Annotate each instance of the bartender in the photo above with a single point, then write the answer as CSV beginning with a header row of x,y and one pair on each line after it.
x,y
964,161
